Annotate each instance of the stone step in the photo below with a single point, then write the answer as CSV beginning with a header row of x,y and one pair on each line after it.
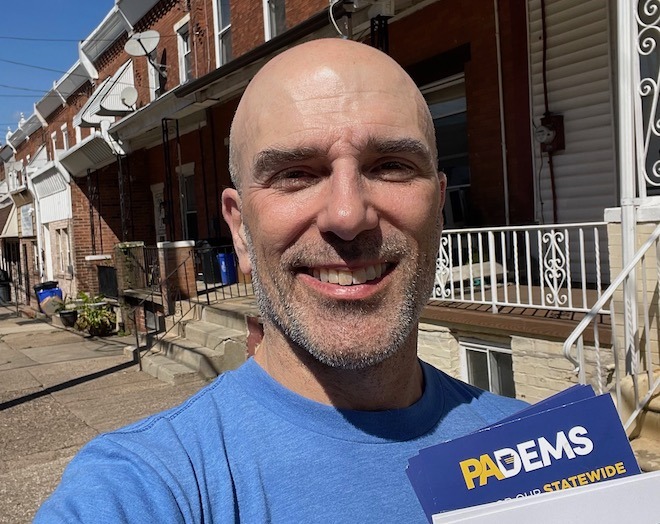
x,y
229,342
221,317
647,451
207,362
648,422
167,370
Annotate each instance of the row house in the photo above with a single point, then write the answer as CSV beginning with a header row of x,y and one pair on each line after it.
x,y
551,190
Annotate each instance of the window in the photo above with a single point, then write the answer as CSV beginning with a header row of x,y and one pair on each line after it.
x,y
65,137
182,30
63,253
274,18
489,367
223,31
154,77
78,134
53,141
448,106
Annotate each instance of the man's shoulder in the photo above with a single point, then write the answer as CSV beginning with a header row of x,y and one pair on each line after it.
x,y
468,408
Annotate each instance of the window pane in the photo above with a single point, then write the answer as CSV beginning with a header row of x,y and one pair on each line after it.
x,y
502,374
477,368
223,14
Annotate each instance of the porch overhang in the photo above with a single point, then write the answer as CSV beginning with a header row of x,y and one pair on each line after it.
x,y
93,152
51,179
8,222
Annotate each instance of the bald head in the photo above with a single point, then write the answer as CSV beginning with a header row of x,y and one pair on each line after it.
x,y
317,86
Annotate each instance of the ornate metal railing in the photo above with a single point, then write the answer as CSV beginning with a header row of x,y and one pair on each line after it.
x,y
633,322
561,266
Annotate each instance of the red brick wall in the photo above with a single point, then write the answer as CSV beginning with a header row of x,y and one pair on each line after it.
x,y
247,26
442,28
298,11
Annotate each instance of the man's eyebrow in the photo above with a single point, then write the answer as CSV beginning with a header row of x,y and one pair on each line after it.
x,y
399,145
270,159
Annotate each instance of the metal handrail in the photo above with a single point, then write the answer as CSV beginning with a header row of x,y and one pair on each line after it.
x,y
576,337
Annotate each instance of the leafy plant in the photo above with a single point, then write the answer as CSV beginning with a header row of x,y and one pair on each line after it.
x,y
95,315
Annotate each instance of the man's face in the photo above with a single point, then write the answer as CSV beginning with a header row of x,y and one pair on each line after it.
x,y
341,214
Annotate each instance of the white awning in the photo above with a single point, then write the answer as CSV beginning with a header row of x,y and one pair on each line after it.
x,y
93,152
106,100
111,104
10,227
49,180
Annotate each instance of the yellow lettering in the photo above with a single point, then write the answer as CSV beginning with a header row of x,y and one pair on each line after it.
x,y
594,476
547,487
620,468
471,469
582,479
489,469
610,471
565,484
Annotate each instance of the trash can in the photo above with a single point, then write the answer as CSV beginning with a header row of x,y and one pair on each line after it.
x,y
227,268
210,262
45,290
5,293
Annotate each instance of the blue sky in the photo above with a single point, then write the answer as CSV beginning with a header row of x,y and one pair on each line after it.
x,y
70,20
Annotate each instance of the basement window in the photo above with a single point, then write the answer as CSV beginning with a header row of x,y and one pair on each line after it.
x,y
489,366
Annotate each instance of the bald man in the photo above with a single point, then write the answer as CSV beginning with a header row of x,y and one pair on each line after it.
x,y
336,214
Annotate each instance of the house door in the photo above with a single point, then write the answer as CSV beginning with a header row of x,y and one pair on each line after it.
x,y
157,193
186,175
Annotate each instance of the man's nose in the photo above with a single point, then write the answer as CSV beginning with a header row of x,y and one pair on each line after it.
x,y
348,208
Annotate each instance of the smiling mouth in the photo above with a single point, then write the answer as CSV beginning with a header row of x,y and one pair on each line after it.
x,y
345,277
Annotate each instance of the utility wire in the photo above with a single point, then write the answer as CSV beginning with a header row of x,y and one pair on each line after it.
x,y
76,40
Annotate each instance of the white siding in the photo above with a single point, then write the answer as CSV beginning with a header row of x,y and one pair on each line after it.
x,y
579,83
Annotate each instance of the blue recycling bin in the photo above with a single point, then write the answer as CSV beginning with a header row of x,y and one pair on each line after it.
x,y
42,294
227,268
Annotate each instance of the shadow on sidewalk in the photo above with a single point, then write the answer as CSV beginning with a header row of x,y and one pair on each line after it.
x,y
65,385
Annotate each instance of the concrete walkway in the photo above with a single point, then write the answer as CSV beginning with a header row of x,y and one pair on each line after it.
x,y
58,390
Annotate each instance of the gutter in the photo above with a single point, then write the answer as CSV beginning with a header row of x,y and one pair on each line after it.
x,y
316,22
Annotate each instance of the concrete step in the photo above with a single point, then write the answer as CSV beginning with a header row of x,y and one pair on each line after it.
x,y
231,313
223,340
647,451
207,362
648,422
167,370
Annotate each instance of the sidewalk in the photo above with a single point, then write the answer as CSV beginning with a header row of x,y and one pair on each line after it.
x,y
58,390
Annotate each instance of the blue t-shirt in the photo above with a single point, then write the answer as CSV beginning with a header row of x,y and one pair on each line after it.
x,y
246,449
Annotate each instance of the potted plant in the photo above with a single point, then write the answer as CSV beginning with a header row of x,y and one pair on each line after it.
x,y
67,312
95,316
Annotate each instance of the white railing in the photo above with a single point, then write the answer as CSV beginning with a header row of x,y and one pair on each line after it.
x,y
633,296
560,266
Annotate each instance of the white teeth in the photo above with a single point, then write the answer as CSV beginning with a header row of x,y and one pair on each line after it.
x,y
359,276
348,278
345,278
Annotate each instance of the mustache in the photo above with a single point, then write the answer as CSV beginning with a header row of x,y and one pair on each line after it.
x,y
368,245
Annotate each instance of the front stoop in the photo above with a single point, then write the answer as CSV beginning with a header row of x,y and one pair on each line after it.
x,y
645,436
204,349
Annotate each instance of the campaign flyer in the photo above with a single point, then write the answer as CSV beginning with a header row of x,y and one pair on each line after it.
x,y
572,445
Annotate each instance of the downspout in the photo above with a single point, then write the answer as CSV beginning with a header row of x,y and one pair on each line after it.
x,y
627,163
37,225
505,169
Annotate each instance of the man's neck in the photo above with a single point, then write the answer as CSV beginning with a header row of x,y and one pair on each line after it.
x,y
395,383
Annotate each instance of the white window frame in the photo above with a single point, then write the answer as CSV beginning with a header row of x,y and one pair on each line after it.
x,y
63,250
182,28
65,137
480,346
53,141
78,134
269,30
220,32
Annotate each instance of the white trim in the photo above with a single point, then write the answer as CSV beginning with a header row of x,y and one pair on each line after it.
x,y
176,244
180,28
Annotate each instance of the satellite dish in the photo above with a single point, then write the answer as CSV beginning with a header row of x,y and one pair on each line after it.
x,y
141,44
129,96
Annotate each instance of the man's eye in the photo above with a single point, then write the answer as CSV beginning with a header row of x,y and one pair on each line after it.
x,y
394,170
293,179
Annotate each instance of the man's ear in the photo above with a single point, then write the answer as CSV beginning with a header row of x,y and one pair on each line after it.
x,y
231,211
